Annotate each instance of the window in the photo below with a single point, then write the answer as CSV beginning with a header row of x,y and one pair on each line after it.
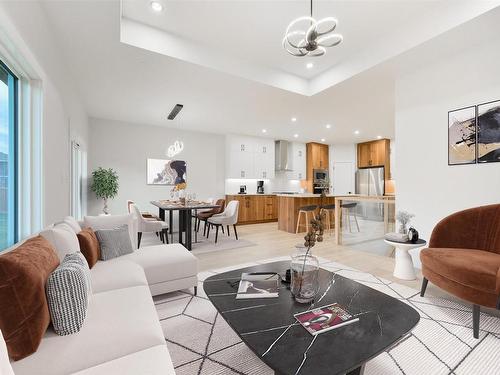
x,y
8,157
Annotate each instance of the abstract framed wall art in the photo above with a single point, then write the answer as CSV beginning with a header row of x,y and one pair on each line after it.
x,y
166,172
488,132
462,136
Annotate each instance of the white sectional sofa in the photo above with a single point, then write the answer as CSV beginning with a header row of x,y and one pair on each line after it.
x,y
122,333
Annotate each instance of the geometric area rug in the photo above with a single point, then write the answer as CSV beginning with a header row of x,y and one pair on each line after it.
x,y
201,342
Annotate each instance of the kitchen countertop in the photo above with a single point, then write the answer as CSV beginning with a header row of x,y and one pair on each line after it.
x,y
252,194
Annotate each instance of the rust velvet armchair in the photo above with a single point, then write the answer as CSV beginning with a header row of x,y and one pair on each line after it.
x,y
463,258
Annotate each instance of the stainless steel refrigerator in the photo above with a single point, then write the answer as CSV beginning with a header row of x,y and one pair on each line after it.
x,y
370,181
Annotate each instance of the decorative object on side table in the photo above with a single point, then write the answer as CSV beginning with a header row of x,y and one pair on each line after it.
x,y
104,185
305,267
412,235
404,218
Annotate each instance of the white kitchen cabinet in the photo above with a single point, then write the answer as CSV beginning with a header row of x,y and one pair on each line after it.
x,y
264,159
242,144
249,157
298,161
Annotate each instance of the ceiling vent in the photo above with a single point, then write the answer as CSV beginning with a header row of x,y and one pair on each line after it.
x,y
175,111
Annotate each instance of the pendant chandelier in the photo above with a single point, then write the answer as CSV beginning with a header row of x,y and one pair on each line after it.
x,y
305,36
176,147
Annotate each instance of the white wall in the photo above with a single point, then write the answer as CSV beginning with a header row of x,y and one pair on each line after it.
x,y
126,147
24,26
425,185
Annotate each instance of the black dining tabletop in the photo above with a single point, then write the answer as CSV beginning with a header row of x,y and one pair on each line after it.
x,y
268,327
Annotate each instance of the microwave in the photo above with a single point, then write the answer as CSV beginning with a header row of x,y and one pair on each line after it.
x,y
320,175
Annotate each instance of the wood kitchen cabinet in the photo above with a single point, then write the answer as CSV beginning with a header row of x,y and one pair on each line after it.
x,y
375,154
255,208
317,158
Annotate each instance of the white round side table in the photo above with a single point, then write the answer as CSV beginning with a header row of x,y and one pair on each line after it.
x,y
403,268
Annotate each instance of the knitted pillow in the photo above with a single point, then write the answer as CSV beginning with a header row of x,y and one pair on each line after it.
x,y
68,296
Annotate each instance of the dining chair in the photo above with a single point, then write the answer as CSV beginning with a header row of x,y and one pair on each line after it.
x,y
144,214
203,216
197,212
149,226
227,218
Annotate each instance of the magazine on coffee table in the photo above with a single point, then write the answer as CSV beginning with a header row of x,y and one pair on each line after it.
x,y
326,318
261,285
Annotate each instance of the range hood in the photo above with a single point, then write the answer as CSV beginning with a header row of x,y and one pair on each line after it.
x,y
283,159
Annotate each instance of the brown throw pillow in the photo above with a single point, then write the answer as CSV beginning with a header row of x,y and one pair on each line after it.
x,y
89,246
24,314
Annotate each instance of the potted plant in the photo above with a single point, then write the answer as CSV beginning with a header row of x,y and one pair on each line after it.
x,y
104,185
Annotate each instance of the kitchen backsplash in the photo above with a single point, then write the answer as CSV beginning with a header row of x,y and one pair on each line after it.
x,y
279,183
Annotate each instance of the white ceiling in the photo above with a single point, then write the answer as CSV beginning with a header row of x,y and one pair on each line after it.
x,y
244,37
122,82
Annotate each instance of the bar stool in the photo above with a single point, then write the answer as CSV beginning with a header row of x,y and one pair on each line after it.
x,y
327,209
305,210
348,209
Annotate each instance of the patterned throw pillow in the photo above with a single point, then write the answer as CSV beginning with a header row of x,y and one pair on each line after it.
x,y
114,242
78,258
67,292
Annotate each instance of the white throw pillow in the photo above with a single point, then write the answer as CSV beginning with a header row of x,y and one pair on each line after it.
x,y
73,223
5,367
63,238
112,222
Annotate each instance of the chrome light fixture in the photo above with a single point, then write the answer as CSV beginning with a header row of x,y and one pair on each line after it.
x,y
305,36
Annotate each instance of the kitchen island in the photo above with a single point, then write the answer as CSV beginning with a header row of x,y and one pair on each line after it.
x,y
290,204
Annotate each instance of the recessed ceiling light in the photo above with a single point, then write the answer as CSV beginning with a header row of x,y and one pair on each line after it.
x,y
309,65
296,136
356,132
322,139
294,119
328,126
264,131
379,137
156,6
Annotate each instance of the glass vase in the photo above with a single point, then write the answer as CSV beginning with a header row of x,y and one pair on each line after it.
x,y
305,277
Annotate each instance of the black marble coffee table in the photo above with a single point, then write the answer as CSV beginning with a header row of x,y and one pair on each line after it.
x,y
268,328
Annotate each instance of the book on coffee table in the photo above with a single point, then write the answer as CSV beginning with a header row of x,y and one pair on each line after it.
x,y
261,285
325,318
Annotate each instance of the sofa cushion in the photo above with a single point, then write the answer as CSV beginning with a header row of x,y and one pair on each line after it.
x,y
89,246
116,274
114,242
152,361
79,259
113,221
5,367
165,262
63,238
477,269
68,296
73,223
119,323
24,314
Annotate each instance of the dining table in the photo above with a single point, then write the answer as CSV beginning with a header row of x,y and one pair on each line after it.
x,y
185,209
